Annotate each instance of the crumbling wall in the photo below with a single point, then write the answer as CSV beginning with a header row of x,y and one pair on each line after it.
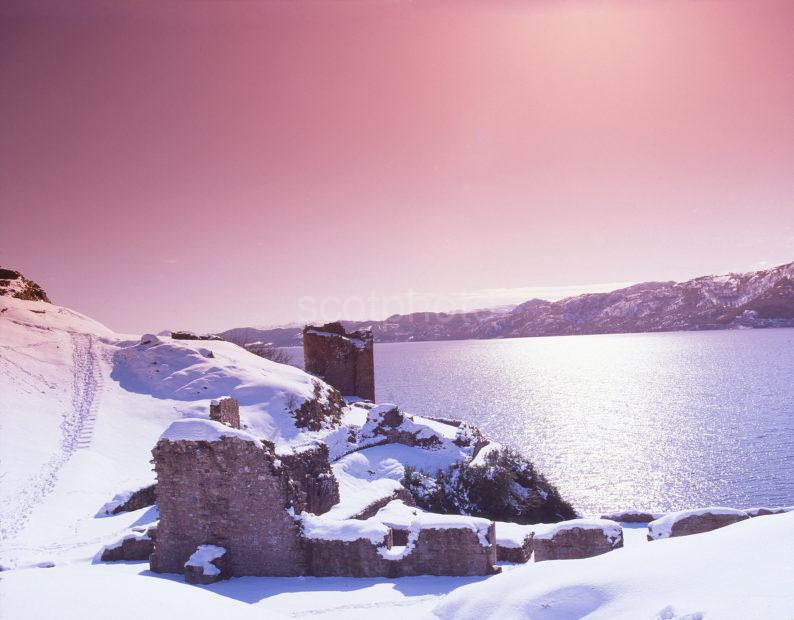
x,y
338,558
226,493
312,486
344,360
449,551
226,411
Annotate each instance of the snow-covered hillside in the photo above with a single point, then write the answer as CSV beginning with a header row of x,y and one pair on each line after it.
x,y
81,408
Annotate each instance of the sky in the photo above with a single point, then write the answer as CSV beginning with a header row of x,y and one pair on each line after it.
x,y
208,164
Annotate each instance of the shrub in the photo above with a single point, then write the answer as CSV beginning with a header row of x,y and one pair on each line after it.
x,y
505,488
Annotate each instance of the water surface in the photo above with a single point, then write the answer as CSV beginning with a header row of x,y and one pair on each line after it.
x,y
654,421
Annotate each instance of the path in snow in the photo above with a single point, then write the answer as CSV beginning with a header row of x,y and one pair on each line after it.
x,y
77,427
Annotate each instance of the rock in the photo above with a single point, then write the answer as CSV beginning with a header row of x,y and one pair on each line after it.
x,y
387,424
576,539
633,516
226,411
344,360
689,522
134,546
14,284
324,408
208,564
401,494
186,335
764,511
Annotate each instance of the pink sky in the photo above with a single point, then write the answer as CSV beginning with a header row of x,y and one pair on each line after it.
x,y
205,165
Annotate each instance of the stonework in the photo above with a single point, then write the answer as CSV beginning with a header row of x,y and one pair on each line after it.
x,y
312,486
575,543
516,555
223,488
344,360
226,411
695,523
138,546
449,551
226,493
209,571
436,551
632,516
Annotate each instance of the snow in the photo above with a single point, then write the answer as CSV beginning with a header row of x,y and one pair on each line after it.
x,y
432,521
203,557
81,408
662,527
347,530
397,515
737,572
197,429
363,479
511,535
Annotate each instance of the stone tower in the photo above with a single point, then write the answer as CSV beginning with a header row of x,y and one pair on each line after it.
x,y
344,360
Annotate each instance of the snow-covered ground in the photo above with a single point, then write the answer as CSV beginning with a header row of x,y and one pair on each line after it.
x,y
81,407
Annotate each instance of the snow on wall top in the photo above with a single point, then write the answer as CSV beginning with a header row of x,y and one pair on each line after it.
x,y
662,528
512,535
545,531
198,429
347,530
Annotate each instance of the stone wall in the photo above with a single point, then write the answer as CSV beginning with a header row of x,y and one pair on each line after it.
x,y
344,360
449,551
226,411
337,558
443,551
226,493
312,486
575,543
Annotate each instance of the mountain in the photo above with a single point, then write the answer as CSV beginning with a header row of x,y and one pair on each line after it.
x,y
736,300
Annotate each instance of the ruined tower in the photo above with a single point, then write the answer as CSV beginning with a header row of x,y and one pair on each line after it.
x,y
344,360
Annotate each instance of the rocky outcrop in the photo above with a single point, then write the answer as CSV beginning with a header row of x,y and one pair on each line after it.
x,y
387,424
226,411
324,408
577,539
689,522
14,284
344,360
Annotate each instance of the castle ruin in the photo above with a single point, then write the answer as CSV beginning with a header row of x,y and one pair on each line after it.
x,y
343,359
